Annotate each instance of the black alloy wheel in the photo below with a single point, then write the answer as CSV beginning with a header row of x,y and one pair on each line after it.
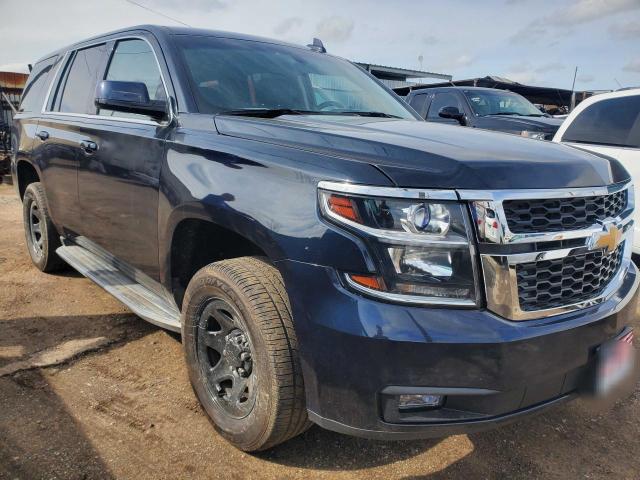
x,y
224,355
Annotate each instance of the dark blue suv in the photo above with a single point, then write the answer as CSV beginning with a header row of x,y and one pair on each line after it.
x,y
487,108
327,255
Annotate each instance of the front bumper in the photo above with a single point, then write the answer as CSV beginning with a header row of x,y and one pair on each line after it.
x,y
358,354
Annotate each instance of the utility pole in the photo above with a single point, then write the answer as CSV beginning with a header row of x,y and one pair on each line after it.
x,y
573,93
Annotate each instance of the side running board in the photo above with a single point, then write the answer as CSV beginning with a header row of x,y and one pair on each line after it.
x,y
143,301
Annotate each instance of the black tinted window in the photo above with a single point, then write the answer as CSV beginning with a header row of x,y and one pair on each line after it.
x,y
37,86
82,79
419,103
134,61
613,122
441,100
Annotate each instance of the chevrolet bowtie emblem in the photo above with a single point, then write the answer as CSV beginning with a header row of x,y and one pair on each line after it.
x,y
608,239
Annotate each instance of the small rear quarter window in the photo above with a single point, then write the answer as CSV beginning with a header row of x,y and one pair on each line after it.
x,y
37,85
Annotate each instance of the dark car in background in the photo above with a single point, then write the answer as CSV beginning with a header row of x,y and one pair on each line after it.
x,y
487,108
326,255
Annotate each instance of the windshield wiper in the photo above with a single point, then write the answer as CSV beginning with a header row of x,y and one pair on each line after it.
x,y
363,113
267,112
506,113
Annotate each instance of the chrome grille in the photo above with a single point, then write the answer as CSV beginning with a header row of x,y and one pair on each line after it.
x,y
542,251
563,281
558,214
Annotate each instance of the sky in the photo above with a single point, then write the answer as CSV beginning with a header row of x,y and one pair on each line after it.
x,y
538,42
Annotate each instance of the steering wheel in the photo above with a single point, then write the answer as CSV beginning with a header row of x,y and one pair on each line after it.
x,y
331,103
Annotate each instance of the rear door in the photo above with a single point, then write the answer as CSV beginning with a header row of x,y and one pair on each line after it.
x,y
61,129
25,122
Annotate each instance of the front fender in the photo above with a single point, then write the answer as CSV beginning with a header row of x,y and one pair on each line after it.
x,y
265,193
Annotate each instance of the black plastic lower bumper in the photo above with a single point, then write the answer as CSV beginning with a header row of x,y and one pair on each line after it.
x,y
435,430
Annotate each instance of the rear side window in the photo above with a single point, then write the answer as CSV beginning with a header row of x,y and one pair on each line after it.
x,y
134,61
81,81
614,122
37,86
441,100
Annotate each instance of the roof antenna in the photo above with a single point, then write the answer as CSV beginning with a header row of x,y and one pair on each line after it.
x,y
30,67
317,46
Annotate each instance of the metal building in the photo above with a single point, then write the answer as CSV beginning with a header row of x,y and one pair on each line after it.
x,y
400,77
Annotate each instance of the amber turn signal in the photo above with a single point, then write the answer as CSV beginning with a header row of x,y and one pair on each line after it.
x,y
344,207
369,281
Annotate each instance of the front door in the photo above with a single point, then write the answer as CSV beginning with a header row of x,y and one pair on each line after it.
x,y
118,154
119,170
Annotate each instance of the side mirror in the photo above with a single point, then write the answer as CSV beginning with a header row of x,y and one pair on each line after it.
x,y
130,97
452,113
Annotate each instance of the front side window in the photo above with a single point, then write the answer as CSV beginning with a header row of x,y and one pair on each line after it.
x,y
81,81
134,61
441,100
232,74
36,88
614,122
497,102
419,103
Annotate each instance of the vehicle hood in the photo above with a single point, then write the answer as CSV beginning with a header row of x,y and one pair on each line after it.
x,y
517,123
427,155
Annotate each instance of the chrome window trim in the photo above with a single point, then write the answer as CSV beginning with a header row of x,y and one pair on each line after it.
x,y
410,299
54,81
388,192
66,59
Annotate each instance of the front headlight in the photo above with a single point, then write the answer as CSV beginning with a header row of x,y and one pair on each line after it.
x,y
421,246
534,135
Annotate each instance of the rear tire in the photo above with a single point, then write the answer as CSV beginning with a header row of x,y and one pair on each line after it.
x,y
242,353
40,233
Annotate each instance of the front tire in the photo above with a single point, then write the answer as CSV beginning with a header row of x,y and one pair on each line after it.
x,y
242,353
40,233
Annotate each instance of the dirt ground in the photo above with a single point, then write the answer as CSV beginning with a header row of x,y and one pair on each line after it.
x,y
88,390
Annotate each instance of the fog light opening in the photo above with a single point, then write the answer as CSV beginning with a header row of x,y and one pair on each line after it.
x,y
419,401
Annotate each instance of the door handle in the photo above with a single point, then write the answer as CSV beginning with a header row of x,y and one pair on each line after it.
x,y
42,135
88,146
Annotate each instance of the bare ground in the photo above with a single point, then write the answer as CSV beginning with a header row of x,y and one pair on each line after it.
x,y
88,390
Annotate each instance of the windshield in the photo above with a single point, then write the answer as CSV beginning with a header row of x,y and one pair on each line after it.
x,y
231,75
501,103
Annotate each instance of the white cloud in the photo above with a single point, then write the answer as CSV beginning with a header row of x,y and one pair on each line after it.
x,y
632,66
519,75
460,61
550,67
520,67
335,28
585,78
198,5
287,25
15,67
430,39
625,31
579,12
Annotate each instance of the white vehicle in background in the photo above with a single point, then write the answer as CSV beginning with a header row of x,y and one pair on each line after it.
x,y
609,124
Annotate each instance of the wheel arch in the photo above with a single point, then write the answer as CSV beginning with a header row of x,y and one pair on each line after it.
x,y
26,174
195,240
